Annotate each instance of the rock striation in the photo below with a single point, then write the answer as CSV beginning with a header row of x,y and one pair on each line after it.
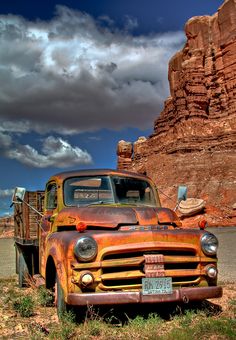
x,y
194,138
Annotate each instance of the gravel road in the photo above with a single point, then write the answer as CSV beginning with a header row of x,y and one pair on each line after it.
x,y
226,254
7,257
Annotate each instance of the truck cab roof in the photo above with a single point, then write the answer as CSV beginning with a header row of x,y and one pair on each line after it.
x,y
94,172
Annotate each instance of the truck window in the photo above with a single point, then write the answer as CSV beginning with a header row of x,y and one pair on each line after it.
x,y
87,190
134,191
51,194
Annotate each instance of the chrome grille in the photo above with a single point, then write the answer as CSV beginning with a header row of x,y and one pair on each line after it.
x,y
125,271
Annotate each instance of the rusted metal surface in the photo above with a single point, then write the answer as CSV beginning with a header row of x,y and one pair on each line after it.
x,y
168,216
154,265
97,172
178,295
117,266
114,216
109,217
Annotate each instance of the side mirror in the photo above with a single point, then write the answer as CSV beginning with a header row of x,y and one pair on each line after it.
x,y
182,193
18,195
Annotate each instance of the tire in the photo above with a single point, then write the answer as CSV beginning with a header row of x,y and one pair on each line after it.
x,y
17,259
23,271
62,306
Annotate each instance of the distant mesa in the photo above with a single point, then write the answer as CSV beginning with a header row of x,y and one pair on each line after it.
x,y
194,138
6,227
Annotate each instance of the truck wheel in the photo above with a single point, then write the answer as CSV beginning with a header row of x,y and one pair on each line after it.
x,y
62,306
17,259
23,271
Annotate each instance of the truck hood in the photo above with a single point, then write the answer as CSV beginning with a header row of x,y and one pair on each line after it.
x,y
115,216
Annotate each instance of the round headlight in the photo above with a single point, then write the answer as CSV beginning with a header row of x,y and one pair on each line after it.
x,y
211,271
85,249
209,244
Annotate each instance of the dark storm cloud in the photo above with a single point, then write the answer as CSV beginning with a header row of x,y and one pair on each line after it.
x,y
71,75
5,141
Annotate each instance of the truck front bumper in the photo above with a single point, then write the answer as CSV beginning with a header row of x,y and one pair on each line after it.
x,y
119,298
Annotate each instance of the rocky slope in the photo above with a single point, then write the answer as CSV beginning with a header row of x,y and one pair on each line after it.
x,y
194,139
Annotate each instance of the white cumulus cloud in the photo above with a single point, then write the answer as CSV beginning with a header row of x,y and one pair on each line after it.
x,y
55,152
6,193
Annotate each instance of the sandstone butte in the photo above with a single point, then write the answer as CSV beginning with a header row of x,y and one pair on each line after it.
x,y
194,138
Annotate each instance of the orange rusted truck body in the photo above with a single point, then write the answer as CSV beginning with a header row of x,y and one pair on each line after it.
x,y
99,250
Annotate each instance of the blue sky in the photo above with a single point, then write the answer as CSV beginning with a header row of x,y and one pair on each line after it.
x,y
78,76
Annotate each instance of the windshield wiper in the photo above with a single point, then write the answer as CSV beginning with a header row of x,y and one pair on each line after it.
x,y
93,203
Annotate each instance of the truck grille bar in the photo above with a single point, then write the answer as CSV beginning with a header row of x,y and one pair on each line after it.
x,y
128,271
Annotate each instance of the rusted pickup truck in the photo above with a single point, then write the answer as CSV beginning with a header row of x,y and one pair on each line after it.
x,y
101,237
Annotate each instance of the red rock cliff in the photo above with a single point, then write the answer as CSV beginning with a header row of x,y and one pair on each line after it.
x,y
194,139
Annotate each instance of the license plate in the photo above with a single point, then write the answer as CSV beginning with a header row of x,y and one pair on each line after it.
x,y
156,285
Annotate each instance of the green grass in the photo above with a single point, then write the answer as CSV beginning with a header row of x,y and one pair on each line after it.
x,y
24,306
66,329
193,326
189,322
45,297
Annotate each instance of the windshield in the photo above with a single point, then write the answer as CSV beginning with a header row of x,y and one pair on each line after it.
x,y
130,190
88,190
82,191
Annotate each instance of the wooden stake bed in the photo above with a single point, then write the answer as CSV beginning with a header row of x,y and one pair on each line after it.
x,y
26,220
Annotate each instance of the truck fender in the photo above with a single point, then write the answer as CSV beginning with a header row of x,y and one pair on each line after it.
x,y
55,269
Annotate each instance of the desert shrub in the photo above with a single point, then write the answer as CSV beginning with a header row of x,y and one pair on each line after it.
x,y
24,306
45,297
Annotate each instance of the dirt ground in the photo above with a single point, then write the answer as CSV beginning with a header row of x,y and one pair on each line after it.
x,y
44,319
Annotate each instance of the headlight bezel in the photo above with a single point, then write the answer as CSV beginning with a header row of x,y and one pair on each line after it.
x,y
80,244
209,244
